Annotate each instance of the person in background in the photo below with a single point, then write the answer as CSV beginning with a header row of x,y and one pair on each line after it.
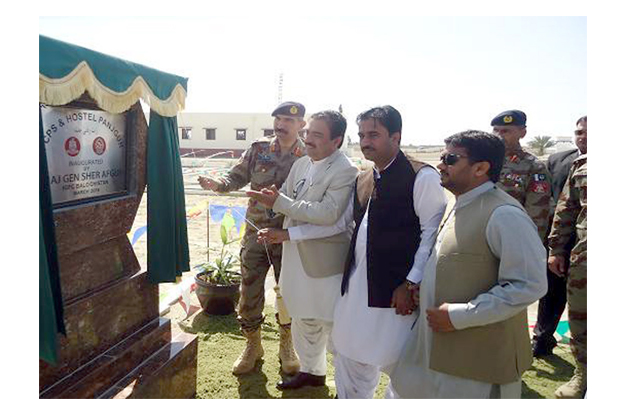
x,y
551,306
570,221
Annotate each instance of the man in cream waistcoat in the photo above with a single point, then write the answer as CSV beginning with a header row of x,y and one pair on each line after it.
x,y
487,265
317,191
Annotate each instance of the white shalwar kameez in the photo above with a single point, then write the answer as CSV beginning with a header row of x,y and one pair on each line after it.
x,y
366,339
513,238
310,301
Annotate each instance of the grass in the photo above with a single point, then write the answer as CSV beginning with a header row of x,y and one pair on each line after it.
x,y
221,342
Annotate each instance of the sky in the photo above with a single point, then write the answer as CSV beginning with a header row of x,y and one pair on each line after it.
x,y
444,74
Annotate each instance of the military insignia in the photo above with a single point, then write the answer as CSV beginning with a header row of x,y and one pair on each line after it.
x,y
539,188
272,147
540,177
513,158
293,110
264,157
507,119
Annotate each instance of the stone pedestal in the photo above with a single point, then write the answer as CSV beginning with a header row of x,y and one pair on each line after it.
x,y
117,346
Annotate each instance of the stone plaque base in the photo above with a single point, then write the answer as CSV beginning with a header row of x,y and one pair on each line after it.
x,y
147,364
118,346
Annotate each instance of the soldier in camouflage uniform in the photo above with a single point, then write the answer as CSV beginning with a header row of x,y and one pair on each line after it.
x,y
267,162
523,176
570,220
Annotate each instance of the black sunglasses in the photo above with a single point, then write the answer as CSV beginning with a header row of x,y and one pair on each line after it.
x,y
450,159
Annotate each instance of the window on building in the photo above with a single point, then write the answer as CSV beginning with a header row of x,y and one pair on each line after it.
x,y
267,132
210,133
185,133
240,133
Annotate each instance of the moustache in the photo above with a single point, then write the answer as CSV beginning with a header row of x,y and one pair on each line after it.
x,y
280,130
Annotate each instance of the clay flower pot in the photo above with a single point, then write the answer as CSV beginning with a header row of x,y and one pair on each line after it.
x,y
216,299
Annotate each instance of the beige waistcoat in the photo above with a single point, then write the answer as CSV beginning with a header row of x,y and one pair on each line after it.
x,y
497,353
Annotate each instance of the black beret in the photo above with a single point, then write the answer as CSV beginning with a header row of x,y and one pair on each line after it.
x,y
290,108
511,117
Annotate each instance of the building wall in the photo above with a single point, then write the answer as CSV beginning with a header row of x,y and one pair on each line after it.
x,y
225,125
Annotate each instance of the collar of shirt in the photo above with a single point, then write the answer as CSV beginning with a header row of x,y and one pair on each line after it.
x,y
466,198
297,148
376,173
314,166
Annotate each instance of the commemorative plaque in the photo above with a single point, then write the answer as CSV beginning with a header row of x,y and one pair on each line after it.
x,y
86,153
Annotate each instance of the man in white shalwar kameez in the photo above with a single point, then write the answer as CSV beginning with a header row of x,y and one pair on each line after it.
x,y
373,316
473,341
317,192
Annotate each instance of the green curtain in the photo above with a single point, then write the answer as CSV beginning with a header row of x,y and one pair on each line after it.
x,y
50,297
168,247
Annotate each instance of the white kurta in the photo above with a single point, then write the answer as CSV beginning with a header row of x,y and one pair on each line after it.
x,y
512,237
307,297
372,335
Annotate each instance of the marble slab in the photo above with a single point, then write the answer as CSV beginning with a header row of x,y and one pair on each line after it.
x,y
100,320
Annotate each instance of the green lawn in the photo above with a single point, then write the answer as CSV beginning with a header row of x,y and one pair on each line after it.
x,y
220,343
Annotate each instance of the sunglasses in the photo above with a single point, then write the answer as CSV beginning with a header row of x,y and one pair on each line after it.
x,y
450,159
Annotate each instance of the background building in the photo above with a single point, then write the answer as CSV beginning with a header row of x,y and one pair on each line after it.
x,y
205,134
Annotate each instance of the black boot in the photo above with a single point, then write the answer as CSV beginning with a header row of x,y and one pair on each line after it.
x,y
300,380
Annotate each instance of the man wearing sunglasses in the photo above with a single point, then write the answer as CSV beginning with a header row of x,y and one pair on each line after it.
x,y
486,267
523,176
551,306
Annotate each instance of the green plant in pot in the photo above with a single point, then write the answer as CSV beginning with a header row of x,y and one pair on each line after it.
x,y
217,283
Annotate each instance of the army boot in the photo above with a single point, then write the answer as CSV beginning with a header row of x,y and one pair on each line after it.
x,y
252,353
574,388
287,355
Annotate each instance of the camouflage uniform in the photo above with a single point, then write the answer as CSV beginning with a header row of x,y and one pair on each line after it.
x,y
262,165
527,179
570,220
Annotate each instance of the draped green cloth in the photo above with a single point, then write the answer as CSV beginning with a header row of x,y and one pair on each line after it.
x,y
168,249
67,71
50,298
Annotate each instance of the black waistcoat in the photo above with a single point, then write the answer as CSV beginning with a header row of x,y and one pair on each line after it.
x,y
393,232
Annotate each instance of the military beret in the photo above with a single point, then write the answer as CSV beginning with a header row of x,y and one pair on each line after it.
x,y
289,108
511,117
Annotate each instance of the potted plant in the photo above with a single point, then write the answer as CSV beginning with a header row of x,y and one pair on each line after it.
x,y
217,283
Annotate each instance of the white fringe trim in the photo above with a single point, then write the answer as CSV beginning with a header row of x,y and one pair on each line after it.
x,y
64,90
